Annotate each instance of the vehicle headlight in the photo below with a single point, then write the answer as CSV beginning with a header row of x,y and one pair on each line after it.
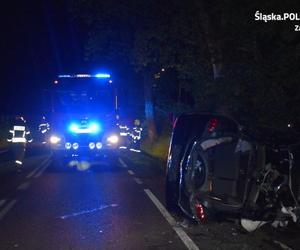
x,y
92,145
113,139
75,145
98,145
54,139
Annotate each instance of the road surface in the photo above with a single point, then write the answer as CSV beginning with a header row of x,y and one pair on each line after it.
x,y
115,203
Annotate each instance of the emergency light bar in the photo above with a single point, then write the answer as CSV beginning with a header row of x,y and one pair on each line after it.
x,y
99,75
92,128
102,75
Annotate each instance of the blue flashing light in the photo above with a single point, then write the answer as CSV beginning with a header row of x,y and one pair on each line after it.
x,y
83,76
74,128
101,75
92,128
64,76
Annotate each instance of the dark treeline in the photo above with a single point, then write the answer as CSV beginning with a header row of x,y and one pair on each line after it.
x,y
200,55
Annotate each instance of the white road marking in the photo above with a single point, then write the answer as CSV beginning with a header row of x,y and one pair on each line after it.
x,y
87,211
5,210
123,164
188,242
23,186
3,151
130,172
37,168
2,202
138,181
42,170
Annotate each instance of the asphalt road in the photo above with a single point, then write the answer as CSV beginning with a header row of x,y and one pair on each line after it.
x,y
82,205
110,203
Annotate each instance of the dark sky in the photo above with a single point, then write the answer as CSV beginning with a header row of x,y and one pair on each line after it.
x,y
39,40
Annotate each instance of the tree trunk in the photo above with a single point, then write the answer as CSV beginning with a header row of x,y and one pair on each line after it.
x,y
213,41
149,107
213,45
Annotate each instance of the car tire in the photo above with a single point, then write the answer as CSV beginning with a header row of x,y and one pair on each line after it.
x,y
172,179
185,130
196,168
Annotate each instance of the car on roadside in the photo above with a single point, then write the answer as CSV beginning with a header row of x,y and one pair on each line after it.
x,y
217,167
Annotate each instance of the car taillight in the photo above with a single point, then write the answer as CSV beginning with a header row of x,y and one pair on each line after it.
x,y
200,211
212,125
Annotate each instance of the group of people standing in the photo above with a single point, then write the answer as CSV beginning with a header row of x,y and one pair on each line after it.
x,y
20,135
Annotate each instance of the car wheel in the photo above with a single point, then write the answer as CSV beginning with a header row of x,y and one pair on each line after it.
x,y
194,182
187,128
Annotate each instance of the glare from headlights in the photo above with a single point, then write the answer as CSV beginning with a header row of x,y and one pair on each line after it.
x,y
54,139
113,139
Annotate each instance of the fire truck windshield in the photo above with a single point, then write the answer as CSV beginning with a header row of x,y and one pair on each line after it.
x,y
79,96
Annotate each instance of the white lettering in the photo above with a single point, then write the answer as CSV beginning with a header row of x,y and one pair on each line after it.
x,y
257,15
285,16
292,16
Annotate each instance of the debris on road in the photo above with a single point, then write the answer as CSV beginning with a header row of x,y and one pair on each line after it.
x,y
283,246
87,211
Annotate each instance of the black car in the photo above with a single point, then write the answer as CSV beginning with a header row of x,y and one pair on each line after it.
x,y
217,167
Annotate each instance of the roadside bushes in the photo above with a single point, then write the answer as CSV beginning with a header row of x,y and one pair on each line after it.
x,y
159,148
4,128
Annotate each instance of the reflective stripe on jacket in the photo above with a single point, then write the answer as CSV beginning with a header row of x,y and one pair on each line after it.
x,y
19,135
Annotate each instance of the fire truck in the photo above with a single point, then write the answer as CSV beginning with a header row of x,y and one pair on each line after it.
x,y
84,115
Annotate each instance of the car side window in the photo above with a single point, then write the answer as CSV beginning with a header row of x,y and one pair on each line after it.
x,y
228,127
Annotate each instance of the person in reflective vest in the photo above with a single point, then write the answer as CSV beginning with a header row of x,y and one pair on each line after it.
x,y
19,136
124,130
44,127
125,136
136,136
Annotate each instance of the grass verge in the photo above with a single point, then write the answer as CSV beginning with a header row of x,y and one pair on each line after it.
x,y
159,148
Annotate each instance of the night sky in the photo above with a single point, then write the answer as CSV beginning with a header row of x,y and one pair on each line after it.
x,y
39,40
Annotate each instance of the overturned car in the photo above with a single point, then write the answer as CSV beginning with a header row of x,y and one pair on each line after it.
x,y
217,167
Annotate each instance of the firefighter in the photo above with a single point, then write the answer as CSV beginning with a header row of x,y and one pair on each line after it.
x,y
19,136
125,135
44,127
136,136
